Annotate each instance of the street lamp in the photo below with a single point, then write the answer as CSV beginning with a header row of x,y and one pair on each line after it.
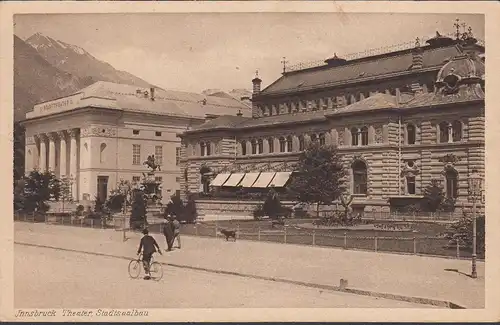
x,y
124,188
475,193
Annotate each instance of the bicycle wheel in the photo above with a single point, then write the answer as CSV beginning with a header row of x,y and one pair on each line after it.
x,y
156,271
134,268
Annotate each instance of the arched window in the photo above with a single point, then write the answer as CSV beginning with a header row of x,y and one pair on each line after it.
x,y
443,132
289,143
270,142
354,136
411,134
101,153
260,146
314,138
451,183
364,136
302,143
209,148
322,139
203,149
289,108
243,148
263,110
360,177
457,131
254,147
282,144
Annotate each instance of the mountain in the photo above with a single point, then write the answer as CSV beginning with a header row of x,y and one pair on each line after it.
x,y
235,93
80,63
36,80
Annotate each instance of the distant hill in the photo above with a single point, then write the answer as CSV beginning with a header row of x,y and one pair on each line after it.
x,y
36,80
80,63
235,93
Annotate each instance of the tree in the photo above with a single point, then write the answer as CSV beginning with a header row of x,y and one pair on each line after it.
x,y
461,232
190,212
320,176
272,205
38,189
435,199
138,215
175,206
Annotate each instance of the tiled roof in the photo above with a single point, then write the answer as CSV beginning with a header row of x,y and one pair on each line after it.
x,y
284,118
166,101
359,69
221,122
377,101
465,94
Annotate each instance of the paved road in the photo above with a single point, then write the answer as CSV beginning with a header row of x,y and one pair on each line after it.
x,y
48,278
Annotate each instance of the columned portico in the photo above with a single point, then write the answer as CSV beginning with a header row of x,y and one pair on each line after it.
x,y
62,154
73,162
52,151
43,152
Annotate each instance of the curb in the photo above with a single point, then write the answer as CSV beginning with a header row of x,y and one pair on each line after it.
x,y
417,300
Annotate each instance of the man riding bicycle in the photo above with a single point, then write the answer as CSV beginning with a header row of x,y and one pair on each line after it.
x,y
149,246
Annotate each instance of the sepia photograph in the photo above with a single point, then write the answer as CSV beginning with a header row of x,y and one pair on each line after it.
x,y
284,160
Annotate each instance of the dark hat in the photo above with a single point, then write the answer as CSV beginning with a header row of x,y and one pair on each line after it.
x,y
145,231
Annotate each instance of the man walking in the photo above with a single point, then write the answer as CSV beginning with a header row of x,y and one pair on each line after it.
x,y
168,231
177,232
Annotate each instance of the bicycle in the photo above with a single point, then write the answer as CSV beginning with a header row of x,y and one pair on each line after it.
x,y
136,265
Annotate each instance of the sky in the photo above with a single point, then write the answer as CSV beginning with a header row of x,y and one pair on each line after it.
x,y
197,51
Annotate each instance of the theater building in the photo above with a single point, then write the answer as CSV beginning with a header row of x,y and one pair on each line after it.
x,y
399,119
105,132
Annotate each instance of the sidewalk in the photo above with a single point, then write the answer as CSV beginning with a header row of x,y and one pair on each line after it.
x,y
406,275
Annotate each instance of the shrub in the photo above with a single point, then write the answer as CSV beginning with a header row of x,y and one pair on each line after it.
x,y
272,205
258,212
138,216
190,213
462,232
79,210
175,207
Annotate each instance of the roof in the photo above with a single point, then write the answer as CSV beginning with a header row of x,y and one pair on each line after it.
x,y
358,69
377,101
165,101
464,94
221,122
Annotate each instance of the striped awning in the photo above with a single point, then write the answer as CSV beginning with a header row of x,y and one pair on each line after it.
x,y
280,179
219,179
263,180
234,179
249,179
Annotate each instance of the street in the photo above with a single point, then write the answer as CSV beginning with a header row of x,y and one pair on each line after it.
x,y
48,278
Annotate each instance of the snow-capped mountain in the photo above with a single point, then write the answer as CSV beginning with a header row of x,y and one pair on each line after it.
x,y
77,61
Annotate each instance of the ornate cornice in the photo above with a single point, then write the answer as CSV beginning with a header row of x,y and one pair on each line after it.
x,y
62,134
52,136
73,133
105,132
449,159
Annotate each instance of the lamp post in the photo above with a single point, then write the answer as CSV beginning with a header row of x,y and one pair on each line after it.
x,y
124,188
475,192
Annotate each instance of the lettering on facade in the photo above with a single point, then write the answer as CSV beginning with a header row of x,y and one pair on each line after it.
x,y
60,104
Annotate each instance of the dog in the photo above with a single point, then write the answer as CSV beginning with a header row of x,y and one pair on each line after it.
x,y
228,234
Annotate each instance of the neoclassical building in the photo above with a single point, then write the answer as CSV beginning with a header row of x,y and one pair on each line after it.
x,y
105,132
399,119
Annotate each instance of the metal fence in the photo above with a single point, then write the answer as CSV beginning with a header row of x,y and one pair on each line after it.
x,y
410,244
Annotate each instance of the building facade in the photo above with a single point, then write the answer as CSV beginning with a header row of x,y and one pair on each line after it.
x,y
400,120
105,132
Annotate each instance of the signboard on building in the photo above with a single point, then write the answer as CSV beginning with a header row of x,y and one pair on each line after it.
x,y
58,105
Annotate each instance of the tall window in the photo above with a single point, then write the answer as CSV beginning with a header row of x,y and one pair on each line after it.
x,y
101,154
282,144
410,185
457,131
203,149
136,154
136,179
364,136
443,132
177,156
209,148
451,184
289,143
260,146
302,143
289,108
159,155
314,138
158,179
270,142
360,177
354,137
243,145
322,139
254,147
411,134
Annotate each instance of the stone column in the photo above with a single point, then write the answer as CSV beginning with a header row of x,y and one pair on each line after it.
x,y
295,143
266,145
43,153
52,151
450,133
73,162
62,154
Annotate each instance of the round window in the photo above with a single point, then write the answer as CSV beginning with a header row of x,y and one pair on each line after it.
x,y
451,81
410,163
